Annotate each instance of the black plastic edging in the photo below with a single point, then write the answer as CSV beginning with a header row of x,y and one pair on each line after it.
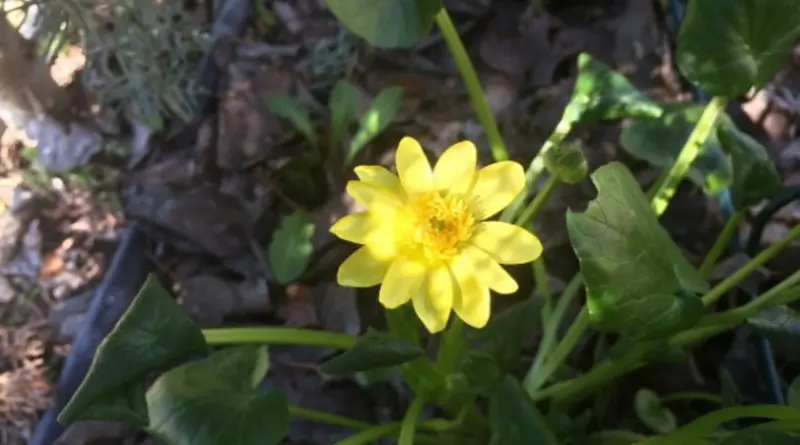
x,y
129,267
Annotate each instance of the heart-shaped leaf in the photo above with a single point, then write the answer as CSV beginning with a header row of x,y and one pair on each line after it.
x,y
729,46
290,248
373,350
514,417
638,282
754,175
153,334
386,23
215,400
604,94
659,141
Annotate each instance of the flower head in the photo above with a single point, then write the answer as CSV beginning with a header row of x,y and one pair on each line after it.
x,y
425,237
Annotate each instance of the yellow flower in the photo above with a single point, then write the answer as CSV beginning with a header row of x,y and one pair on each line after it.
x,y
425,237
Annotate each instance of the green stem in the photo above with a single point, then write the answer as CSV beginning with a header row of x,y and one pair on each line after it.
x,y
707,424
370,435
561,352
543,287
329,418
451,347
550,327
666,187
473,84
409,427
537,165
537,204
712,325
784,292
721,244
767,254
278,336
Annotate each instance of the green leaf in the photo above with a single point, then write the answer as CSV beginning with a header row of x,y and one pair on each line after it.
x,y
779,324
793,394
153,334
754,175
294,111
637,280
478,372
126,405
379,115
215,400
567,162
290,248
603,94
514,417
503,337
650,412
386,23
343,104
659,141
373,350
729,46
762,436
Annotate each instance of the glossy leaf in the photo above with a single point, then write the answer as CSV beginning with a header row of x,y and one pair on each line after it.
x,y
754,175
659,141
652,413
343,104
386,23
762,436
373,350
294,111
514,418
215,400
779,324
290,248
604,94
153,334
567,162
729,46
379,115
126,405
638,282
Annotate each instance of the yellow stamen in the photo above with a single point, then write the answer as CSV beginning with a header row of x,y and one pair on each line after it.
x,y
436,225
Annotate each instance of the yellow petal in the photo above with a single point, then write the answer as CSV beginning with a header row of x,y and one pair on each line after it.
x,y
489,271
413,167
455,169
364,268
434,305
373,198
506,243
472,301
404,280
355,227
495,187
380,176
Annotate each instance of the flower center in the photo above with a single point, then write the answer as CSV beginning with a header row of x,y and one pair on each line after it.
x,y
439,224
